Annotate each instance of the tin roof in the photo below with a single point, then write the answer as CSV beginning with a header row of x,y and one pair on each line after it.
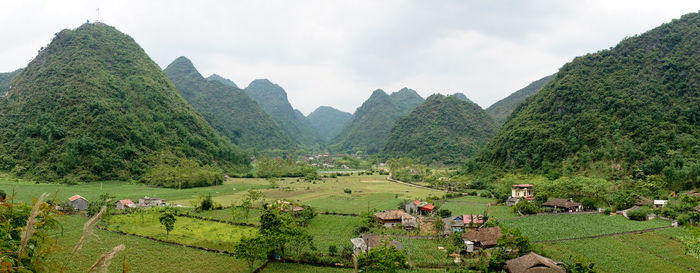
x,y
76,197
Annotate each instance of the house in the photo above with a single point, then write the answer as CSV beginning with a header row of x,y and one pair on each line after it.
x,y
643,201
289,207
390,218
520,191
125,204
462,222
660,203
368,241
409,222
563,204
78,202
416,206
483,238
146,202
534,263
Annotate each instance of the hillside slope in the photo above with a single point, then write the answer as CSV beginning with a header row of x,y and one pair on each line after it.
x,y
500,110
228,109
327,122
225,81
93,106
442,129
5,79
633,108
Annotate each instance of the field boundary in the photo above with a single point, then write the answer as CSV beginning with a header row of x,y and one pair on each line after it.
x,y
216,220
167,242
604,235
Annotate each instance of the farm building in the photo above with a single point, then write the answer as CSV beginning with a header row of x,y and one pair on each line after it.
x,y
146,202
368,241
534,263
390,218
289,207
462,222
520,191
660,203
563,204
78,202
482,238
417,206
643,201
125,204
409,222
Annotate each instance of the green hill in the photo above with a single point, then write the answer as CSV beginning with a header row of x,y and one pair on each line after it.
x,y
225,81
273,99
634,108
500,110
371,123
5,79
327,122
93,106
228,109
442,129
462,96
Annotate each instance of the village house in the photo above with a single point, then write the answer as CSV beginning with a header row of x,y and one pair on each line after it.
x,y
125,204
520,191
391,218
368,241
417,206
482,238
78,202
660,203
289,207
146,202
534,263
563,204
460,223
643,201
409,222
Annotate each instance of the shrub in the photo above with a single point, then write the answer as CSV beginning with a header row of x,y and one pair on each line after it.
x,y
332,250
207,203
444,213
588,204
348,191
525,207
639,214
607,211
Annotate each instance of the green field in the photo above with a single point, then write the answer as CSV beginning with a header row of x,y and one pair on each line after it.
x,y
563,226
290,267
425,252
646,252
187,231
141,254
235,214
459,208
332,230
473,199
501,212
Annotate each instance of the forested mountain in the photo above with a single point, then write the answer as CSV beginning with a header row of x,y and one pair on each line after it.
x,y
228,109
327,122
632,109
462,96
5,79
442,129
273,99
93,106
371,123
225,81
500,110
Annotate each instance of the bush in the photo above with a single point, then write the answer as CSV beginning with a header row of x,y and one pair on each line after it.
x,y
588,204
348,191
639,214
444,213
607,211
207,203
525,207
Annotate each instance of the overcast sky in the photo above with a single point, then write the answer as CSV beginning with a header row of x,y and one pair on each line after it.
x,y
336,53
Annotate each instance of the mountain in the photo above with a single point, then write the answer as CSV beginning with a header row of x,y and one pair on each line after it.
x,y
442,129
327,121
93,106
500,110
5,79
225,81
273,99
634,108
462,96
228,109
371,123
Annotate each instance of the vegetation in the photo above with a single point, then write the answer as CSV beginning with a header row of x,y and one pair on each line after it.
x,y
93,106
441,130
273,100
220,79
5,79
228,109
630,110
382,258
278,167
327,122
500,110
371,123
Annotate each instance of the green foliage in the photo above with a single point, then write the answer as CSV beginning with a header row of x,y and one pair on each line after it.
x,y
691,242
167,220
580,267
525,207
327,122
105,200
500,110
5,79
278,167
384,258
252,249
444,213
639,214
614,111
512,245
367,222
442,129
228,109
371,123
93,106
348,191
171,171
273,100
206,204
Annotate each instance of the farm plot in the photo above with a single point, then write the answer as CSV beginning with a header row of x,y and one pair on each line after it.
x,y
234,214
458,208
143,255
425,252
334,230
564,226
501,212
187,231
647,252
473,199
290,267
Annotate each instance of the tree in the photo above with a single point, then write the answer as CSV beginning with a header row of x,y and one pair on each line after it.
x,y
510,246
249,201
438,224
252,249
525,207
382,258
207,203
167,220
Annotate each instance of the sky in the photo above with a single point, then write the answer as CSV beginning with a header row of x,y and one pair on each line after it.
x,y
336,53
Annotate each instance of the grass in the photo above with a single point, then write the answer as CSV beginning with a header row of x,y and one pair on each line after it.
x,y
563,226
501,212
458,208
473,199
332,230
425,252
187,231
290,267
141,254
234,214
647,252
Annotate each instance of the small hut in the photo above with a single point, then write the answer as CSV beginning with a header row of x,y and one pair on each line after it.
x,y
78,202
534,263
